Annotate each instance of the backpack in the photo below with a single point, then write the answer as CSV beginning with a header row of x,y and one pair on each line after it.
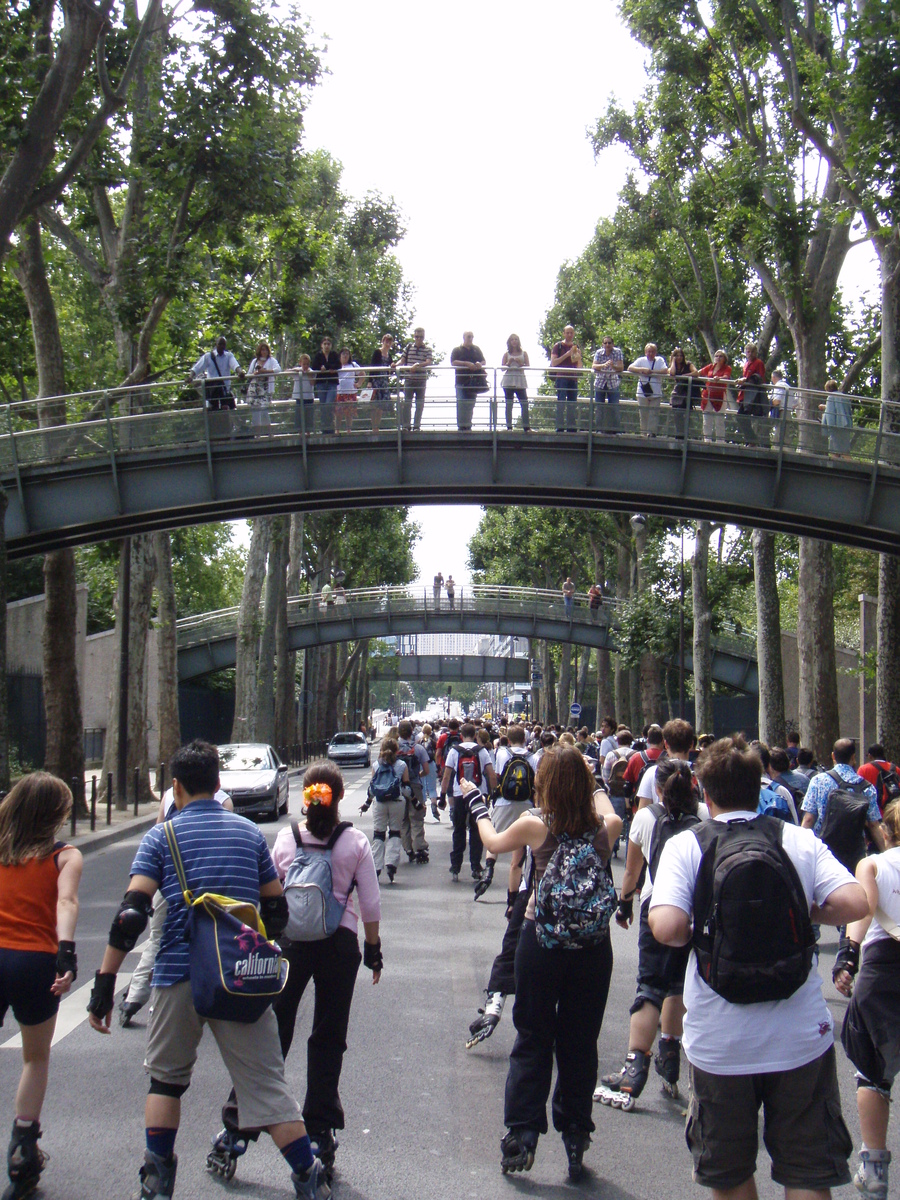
x,y
385,785
431,748
618,787
575,898
773,804
313,912
445,745
888,782
846,813
407,754
752,934
516,779
666,828
648,763
468,764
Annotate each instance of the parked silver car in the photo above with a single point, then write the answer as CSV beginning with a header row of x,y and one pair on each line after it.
x,y
255,778
350,750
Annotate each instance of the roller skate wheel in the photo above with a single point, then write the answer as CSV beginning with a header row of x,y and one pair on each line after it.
x,y
671,1090
626,1103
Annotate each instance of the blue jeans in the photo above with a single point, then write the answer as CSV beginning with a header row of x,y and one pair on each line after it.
x,y
608,415
326,393
566,401
465,407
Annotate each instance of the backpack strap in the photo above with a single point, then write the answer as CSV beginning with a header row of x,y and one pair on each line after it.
x,y
186,892
338,830
295,830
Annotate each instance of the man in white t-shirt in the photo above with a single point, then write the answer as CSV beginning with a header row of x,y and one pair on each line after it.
x,y
776,1053
473,762
504,810
649,370
607,736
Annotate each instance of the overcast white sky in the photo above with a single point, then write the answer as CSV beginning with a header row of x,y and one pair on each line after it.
x,y
473,116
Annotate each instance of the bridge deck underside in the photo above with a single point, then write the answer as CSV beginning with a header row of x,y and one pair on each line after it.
x,y
50,507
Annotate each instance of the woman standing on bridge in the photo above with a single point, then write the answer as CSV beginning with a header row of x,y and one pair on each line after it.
x,y
261,386
514,383
39,879
712,398
561,990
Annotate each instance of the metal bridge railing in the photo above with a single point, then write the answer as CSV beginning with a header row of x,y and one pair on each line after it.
x,y
115,422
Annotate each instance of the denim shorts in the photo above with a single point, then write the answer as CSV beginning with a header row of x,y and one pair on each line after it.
x,y
26,977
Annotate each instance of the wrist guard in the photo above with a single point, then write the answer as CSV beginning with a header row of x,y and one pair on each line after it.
x,y
510,901
625,911
366,805
274,912
130,921
847,958
372,957
67,960
103,995
478,808
442,803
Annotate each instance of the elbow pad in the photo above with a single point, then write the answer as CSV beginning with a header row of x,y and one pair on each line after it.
x,y
274,912
130,921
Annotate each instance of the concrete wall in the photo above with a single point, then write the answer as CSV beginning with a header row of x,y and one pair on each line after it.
x,y
848,690
101,677
25,630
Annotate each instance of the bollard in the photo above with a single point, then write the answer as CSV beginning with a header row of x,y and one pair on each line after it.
x,y
137,788
109,798
161,779
93,803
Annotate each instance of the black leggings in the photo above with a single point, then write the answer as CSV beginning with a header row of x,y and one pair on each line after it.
x,y
332,965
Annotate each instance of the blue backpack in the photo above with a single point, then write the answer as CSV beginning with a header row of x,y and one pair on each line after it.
x,y
575,897
773,804
313,912
385,785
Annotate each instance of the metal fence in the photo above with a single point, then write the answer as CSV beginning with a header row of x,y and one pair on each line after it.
x,y
117,421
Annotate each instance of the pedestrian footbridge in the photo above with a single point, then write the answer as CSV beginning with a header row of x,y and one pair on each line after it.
x,y
142,459
207,643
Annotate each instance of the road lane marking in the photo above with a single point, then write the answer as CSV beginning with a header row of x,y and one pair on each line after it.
x,y
72,1012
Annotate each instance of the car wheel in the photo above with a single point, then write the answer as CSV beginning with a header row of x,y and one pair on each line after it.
x,y
274,813
284,808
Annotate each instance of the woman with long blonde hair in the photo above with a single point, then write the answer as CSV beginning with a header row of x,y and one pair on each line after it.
x,y
39,879
561,991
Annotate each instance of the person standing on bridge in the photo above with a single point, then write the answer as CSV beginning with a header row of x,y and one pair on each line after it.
x,y
514,382
565,358
413,366
451,590
468,361
712,398
326,364
436,588
39,879
650,370
217,368
608,366
261,387
382,364
568,591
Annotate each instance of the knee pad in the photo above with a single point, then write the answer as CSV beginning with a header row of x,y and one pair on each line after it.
x,y
173,1090
883,1088
379,835
394,833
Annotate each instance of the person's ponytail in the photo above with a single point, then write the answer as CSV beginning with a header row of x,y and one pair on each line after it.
x,y
675,783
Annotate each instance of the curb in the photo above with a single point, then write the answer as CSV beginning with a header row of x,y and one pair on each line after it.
x,y
98,841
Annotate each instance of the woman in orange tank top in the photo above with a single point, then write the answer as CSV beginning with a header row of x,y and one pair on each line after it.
x,y
39,880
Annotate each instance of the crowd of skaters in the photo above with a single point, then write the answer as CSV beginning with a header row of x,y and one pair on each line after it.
x,y
545,796
331,382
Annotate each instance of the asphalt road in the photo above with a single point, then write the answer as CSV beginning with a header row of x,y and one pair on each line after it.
x,y
424,1115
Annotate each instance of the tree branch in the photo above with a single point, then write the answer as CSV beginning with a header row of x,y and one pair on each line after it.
x,y
862,360
73,243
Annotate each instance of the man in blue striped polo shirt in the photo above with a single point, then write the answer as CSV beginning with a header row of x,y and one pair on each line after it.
x,y
225,854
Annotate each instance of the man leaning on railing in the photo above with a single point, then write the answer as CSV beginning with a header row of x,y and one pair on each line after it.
x,y
216,368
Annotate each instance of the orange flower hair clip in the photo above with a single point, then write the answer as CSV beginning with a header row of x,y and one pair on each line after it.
x,y
317,793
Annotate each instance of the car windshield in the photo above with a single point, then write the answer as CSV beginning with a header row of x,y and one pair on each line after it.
x,y
347,739
244,758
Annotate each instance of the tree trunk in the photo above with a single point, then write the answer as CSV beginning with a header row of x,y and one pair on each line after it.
x,y
320,683
651,688
819,722
286,729
887,687
4,698
549,674
247,644
606,700
329,708
772,729
62,697
275,593
564,687
624,566
353,717
584,666
702,652
166,653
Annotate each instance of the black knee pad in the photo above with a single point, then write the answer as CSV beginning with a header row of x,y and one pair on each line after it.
x,y
174,1090
395,833
380,835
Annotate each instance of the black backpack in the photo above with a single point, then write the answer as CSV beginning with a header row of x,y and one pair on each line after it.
x,y
407,754
648,763
516,780
666,827
844,822
752,933
888,782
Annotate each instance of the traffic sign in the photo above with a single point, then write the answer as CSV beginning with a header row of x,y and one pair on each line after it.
x,y
575,709
537,677
505,701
